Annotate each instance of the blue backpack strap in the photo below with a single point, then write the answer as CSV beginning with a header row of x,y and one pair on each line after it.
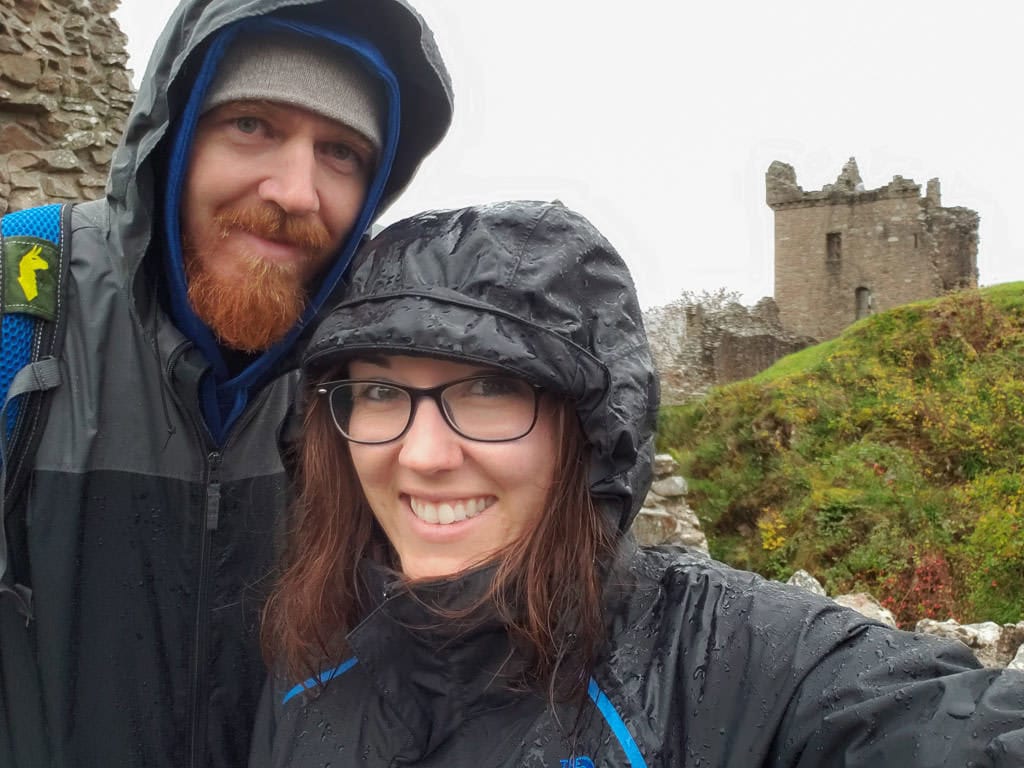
x,y
34,266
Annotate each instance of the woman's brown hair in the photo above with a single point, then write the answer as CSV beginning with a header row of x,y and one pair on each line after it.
x,y
547,587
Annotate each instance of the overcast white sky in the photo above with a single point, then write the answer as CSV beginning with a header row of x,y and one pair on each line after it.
x,y
657,119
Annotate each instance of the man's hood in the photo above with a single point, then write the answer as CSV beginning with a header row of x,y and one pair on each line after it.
x,y
529,287
148,167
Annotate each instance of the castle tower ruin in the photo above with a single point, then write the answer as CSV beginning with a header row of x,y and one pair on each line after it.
x,y
846,252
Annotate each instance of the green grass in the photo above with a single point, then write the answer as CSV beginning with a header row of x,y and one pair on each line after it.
x,y
887,459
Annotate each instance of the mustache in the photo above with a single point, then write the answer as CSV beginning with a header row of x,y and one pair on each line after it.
x,y
274,223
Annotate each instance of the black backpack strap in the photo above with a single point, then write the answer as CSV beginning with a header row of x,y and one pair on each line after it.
x,y
35,255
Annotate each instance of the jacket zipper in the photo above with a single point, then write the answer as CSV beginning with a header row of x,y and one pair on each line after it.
x,y
197,700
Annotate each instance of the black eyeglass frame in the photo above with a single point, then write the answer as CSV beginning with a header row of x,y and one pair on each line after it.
x,y
416,394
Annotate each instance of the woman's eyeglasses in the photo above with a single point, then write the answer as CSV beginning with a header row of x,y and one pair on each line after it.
x,y
490,409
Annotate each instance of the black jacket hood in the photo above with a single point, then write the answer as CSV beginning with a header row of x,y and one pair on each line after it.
x,y
529,287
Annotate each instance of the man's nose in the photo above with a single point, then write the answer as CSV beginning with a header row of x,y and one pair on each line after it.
x,y
430,445
291,180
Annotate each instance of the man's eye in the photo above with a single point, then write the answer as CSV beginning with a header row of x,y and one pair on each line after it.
x,y
248,124
342,152
344,157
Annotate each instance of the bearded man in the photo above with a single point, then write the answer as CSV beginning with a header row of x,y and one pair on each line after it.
x,y
266,137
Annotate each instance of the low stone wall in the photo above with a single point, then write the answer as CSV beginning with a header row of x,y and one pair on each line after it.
x,y
665,517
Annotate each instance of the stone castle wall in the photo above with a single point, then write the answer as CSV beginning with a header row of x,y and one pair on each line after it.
x,y
701,344
65,92
845,252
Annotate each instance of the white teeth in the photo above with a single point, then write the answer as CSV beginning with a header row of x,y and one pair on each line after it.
x,y
429,513
449,511
445,514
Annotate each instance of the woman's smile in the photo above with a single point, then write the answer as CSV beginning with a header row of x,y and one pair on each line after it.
x,y
450,511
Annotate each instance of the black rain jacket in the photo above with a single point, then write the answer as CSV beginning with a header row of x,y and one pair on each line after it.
x,y
705,665
145,534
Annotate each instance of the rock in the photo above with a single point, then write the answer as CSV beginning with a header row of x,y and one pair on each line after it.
x,y
670,487
93,181
971,635
691,533
59,186
77,140
804,580
1010,640
120,81
994,645
1018,660
102,156
21,161
26,198
665,465
866,605
49,83
23,180
654,526
15,27
59,160
668,521
27,103
14,136
21,70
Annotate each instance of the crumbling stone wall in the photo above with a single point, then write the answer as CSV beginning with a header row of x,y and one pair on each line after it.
x,y
65,92
845,252
701,343
665,517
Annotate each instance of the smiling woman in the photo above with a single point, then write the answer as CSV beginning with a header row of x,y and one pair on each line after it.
x,y
460,587
453,484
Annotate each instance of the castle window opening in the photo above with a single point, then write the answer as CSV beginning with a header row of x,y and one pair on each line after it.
x,y
915,239
865,302
833,247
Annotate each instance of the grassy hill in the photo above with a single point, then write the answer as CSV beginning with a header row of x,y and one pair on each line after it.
x,y
887,460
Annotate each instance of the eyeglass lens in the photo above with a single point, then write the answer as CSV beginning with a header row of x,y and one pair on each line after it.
x,y
490,408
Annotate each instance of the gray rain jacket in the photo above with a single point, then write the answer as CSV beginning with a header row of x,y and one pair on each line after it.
x,y
705,665
146,532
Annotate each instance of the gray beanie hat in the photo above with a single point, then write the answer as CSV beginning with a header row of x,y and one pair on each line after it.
x,y
305,72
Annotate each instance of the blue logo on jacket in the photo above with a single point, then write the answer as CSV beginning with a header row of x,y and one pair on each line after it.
x,y
579,762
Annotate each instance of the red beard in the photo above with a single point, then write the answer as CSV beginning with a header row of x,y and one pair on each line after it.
x,y
259,301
